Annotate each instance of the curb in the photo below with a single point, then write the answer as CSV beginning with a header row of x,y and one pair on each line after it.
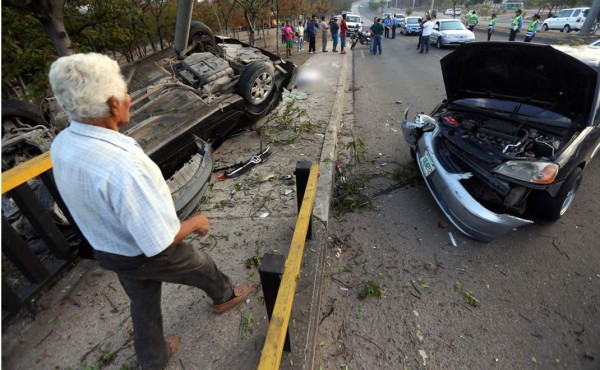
x,y
321,207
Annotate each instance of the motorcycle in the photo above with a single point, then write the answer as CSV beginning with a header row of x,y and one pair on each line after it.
x,y
363,37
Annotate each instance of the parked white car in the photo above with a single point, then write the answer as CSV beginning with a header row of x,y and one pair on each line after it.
x,y
457,11
566,20
450,32
449,12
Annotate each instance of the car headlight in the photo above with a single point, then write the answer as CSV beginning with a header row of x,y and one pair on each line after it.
x,y
535,172
443,34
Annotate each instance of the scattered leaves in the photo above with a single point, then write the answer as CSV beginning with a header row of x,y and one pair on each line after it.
x,y
245,325
370,289
470,299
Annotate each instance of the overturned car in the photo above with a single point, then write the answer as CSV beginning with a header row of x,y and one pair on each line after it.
x,y
510,142
181,105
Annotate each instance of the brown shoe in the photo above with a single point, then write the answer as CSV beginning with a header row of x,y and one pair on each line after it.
x,y
240,292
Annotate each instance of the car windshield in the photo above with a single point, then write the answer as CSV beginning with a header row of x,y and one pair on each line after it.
x,y
412,20
350,18
506,107
451,26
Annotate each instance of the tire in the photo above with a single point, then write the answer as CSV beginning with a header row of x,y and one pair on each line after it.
x,y
354,42
256,82
545,27
23,110
552,208
566,28
199,29
438,43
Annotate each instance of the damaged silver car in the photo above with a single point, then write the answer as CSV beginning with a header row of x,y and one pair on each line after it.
x,y
511,141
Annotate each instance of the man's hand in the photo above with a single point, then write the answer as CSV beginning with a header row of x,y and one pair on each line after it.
x,y
197,223
201,224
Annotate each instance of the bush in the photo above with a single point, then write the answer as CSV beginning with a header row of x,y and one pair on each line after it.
x,y
373,5
408,11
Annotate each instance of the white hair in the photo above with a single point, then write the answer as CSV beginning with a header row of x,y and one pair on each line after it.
x,y
83,83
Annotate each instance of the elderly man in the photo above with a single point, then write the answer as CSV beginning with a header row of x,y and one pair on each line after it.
x,y
122,204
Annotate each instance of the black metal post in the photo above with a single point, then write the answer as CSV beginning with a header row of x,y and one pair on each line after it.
x,y
270,271
302,172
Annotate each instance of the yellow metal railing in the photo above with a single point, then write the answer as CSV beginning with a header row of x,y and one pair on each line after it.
x,y
273,348
25,171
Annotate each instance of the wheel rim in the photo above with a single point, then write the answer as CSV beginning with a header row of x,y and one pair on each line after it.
x,y
570,197
261,87
439,43
566,29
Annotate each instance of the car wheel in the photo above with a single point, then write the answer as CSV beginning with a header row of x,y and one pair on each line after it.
x,y
552,208
256,82
201,31
544,27
567,28
439,43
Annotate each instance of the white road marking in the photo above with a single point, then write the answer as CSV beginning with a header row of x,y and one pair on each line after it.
x,y
362,54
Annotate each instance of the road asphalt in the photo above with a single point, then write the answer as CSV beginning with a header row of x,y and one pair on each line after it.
x,y
84,320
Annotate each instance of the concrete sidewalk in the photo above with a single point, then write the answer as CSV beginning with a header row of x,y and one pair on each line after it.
x,y
84,321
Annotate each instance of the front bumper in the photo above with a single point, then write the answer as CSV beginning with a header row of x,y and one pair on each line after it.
x,y
466,213
455,41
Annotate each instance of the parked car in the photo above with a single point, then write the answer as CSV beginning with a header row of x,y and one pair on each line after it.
x,y
450,32
410,26
595,43
178,103
353,22
496,155
449,12
457,11
400,17
566,20
385,15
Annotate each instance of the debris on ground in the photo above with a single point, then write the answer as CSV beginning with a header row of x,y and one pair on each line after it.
x,y
452,241
430,266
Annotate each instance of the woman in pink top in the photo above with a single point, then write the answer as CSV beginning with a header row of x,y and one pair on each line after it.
x,y
288,33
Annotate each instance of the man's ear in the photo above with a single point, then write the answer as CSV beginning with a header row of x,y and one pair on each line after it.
x,y
113,105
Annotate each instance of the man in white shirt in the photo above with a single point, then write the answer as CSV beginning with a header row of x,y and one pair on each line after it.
x,y
427,27
123,206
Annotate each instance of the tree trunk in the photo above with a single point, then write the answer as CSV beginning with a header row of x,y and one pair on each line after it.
x,y
591,19
51,15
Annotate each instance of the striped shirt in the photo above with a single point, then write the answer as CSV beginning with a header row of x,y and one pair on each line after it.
x,y
114,191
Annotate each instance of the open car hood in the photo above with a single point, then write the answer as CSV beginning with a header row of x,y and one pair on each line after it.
x,y
538,75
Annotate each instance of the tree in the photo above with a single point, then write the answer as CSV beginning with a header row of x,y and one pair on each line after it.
x,y
251,10
51,14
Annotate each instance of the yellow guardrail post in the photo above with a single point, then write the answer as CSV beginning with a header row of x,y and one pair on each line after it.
x,y
25,171
276,333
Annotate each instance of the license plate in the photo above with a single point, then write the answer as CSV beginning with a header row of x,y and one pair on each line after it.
x,y
426,164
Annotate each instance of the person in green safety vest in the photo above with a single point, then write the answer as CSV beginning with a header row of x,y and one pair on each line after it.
x,y
532,29
491,26
515,25
472,20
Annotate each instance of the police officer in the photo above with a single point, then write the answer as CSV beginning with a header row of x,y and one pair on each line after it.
x,y
473,20
491,26
516,25
532,29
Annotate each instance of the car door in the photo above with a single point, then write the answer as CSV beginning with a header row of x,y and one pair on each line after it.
x,y
560,20
435,33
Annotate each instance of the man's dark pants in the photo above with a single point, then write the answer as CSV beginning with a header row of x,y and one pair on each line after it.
x,y
490,34
393,32
142,277
513,35
312,43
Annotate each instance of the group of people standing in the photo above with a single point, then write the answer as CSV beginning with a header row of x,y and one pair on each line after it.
x,y
310,31
515,26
